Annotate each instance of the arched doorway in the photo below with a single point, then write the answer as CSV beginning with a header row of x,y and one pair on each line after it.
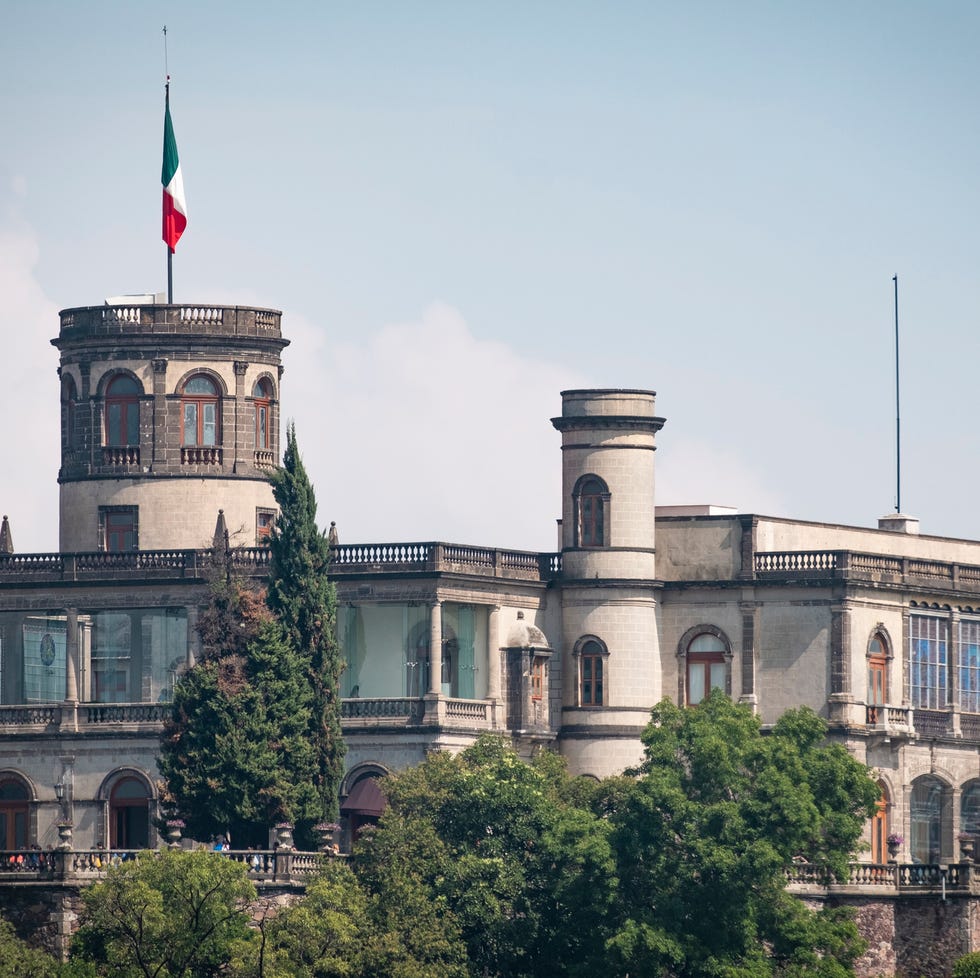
x,y
129,815
14,807
879,828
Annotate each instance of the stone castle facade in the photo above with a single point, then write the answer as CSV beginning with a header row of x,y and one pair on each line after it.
x,y
170,422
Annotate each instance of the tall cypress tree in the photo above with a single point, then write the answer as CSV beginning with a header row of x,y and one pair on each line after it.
x,y
305,602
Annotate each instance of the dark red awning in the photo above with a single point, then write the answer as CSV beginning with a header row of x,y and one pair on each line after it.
x,y
365,799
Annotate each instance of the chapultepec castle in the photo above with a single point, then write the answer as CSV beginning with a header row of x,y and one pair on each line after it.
x,y
169,426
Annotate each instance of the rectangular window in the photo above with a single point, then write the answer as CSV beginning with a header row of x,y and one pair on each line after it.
x,y
537,679
591,680
118,528
190,424
264,520
209,428
969,666
928,662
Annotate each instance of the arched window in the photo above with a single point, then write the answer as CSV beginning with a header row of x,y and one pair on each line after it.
x,y
199,406
592,655
707,668
591,498
879,827
129,815
970,809
877,678
262,395
14,800
122,412
929,801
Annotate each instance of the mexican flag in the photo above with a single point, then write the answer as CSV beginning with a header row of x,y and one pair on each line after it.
x,y
174,205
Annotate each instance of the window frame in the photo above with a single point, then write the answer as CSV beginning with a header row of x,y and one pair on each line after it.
x,y
110,529
877,658
592,673
198,402
262,396
123,431
968,666
592,509
928,658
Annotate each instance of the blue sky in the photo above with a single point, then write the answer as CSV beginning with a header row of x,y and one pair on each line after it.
x,y
463,208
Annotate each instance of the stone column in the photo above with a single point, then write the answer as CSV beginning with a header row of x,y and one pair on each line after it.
x,y
750,614
435,649
71,657
493,654
159,427
241,366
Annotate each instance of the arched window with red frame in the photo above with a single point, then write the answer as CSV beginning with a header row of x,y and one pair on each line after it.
x,y
14,809
877,678
122,412
262,396
199,408
707,667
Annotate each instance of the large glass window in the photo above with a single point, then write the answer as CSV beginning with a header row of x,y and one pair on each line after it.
x,y
32,658
970,809
199,403
122,412
969,666
132,656
928,801
928,663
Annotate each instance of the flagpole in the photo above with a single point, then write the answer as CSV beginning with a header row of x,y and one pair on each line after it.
x,y
166,103
898,415
170,251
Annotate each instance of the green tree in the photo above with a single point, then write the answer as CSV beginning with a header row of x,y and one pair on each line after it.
x,y
304,600
171,914
528,876
19,960
703,836
236,753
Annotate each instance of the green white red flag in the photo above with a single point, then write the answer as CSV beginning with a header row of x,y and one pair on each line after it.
x,y
174,205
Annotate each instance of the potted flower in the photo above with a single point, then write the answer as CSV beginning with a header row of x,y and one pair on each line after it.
x,y
173,830
329,833
894,843
64,834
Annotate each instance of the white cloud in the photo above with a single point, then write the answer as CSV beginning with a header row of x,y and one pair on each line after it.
x,y
30,398
424,431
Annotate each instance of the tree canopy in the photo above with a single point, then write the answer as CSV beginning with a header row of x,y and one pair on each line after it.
x,y
170,914
705,831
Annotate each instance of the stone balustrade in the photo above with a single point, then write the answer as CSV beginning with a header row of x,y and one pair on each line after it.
x,y
897,877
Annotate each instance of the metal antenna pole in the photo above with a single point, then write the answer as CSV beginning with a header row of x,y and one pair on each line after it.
x,y
898,415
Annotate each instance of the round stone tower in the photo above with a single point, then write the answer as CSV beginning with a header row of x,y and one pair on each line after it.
x,y
611,673
169,413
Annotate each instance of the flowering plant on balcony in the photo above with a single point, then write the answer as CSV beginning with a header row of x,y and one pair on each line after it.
x,y
284,825
176,823
895,840
326,827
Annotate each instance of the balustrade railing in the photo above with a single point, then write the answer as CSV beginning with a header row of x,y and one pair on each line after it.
x,y
475,711
100,713
38,715
933,723
895,876
857,565
151,317
200,455
408,708
127,455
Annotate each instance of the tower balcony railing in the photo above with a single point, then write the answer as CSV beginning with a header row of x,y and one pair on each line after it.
x,y
200,455
120,455
189,318
882,877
